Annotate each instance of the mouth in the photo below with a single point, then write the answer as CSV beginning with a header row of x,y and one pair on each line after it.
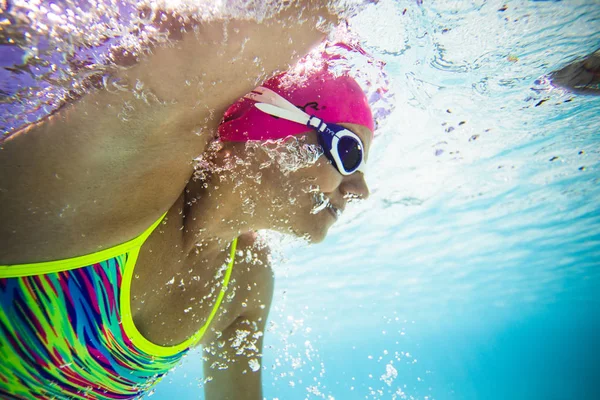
x,y
322,202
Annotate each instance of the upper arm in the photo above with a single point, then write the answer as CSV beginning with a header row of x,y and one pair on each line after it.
x,y
232,361
99,170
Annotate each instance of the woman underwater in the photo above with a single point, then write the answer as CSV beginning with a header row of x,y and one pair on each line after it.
x,y
146,252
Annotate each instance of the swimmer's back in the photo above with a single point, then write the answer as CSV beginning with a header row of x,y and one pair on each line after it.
x,y
100,170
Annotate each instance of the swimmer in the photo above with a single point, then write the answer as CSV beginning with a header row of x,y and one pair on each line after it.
x,y
582,76
118,256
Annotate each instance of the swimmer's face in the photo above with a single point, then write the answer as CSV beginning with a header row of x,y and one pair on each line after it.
x,y
330,185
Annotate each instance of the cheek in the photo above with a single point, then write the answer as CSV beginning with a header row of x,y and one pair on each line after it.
x,y
326,176
320,179
301,186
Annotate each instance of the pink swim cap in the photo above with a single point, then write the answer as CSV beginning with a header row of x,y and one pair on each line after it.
x,y
319,93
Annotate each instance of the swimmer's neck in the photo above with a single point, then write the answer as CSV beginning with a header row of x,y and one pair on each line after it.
x,y
211,216
218,209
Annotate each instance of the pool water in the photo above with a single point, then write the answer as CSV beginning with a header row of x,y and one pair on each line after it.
x,y
473,270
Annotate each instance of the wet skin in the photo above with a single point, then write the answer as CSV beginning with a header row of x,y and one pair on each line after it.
x,y
98,180
84,179
211,214
581,76
335,186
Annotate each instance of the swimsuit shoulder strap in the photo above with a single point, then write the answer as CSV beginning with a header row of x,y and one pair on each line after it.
x,y
47,267
198,336
167,351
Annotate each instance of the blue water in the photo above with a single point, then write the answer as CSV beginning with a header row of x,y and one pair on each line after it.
x,y
473,270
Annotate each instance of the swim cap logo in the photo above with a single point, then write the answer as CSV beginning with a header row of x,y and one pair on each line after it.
x,y
312,104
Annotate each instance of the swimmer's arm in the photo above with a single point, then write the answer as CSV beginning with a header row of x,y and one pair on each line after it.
x,y
101,169
581,77
238,381
223,60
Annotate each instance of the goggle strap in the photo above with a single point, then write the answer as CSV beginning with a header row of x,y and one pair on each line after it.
x,y
317,123
265,95
299,116
274,104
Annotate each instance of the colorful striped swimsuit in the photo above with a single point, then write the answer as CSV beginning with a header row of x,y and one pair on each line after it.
x,y
66,329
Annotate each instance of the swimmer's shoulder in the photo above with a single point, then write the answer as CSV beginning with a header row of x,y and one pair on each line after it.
x,y
251,285
100,170
254,273
254,255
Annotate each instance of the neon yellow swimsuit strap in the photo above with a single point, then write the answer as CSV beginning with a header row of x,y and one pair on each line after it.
x,y
47,267
198,336
152,348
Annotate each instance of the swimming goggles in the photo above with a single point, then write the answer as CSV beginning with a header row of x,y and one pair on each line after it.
x,y
342,147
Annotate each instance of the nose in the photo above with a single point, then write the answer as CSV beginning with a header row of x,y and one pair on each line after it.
x,y
355,185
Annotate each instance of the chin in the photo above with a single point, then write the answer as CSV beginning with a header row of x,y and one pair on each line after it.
x,y
313,228
317,238
318,233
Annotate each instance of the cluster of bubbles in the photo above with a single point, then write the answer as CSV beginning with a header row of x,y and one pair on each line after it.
x,y
343,56
54,52
225,352
243,346
320,201
289,154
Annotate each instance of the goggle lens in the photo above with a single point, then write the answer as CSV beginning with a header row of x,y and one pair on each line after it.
x,y
350,152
